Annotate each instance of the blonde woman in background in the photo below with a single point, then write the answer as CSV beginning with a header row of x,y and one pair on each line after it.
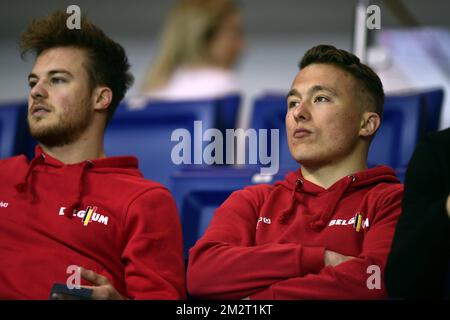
x,y
200,46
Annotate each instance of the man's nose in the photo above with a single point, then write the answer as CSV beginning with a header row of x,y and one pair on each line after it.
x,y
301,112
39,91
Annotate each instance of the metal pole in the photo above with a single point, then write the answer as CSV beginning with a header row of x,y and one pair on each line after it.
x,y
360,30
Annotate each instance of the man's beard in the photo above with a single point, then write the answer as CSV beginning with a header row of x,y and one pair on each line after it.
x,y
67,130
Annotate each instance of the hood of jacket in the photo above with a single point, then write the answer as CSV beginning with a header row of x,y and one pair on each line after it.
x,y
294,182
125,165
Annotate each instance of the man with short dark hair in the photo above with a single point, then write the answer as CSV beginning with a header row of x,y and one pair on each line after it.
x,y
71,208
325,231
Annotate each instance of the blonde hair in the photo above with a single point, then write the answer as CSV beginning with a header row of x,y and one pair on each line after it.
x,y
188,30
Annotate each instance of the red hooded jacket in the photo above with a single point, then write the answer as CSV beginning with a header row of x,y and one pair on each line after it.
x,y
131,234
269,241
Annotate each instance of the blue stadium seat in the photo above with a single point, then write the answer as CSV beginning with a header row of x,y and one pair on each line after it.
x,y
227,111
146,132
407,117
432,100
269,112
399,132
201,206
199,192
14,137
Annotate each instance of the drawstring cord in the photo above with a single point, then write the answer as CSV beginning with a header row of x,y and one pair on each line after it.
x,y
22,186
77,201
289,211
319,224
284,217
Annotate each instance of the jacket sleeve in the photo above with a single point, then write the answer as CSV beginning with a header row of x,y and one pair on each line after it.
x,y
420,249
153,253
358,278
225,264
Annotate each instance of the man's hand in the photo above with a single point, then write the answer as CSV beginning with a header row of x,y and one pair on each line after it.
x,y
333,258
448,206
102,288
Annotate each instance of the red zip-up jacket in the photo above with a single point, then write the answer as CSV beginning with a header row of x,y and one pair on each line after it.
x,y
269,241
131,234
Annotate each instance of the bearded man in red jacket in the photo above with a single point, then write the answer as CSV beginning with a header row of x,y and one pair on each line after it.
x,y
71,211
325,231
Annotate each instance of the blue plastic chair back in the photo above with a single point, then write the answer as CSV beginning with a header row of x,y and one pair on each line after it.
x,y
199,192
227,111
146,133
14,136
432,101
269,112
399,132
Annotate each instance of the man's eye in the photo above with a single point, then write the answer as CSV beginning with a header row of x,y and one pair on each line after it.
x,y
321,99
57,80
31,84
293,104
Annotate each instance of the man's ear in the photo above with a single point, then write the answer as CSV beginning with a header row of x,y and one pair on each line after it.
x,y
370,123
102,98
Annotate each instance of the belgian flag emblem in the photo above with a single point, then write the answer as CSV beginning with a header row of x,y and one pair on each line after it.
x,y
358,221
88,215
